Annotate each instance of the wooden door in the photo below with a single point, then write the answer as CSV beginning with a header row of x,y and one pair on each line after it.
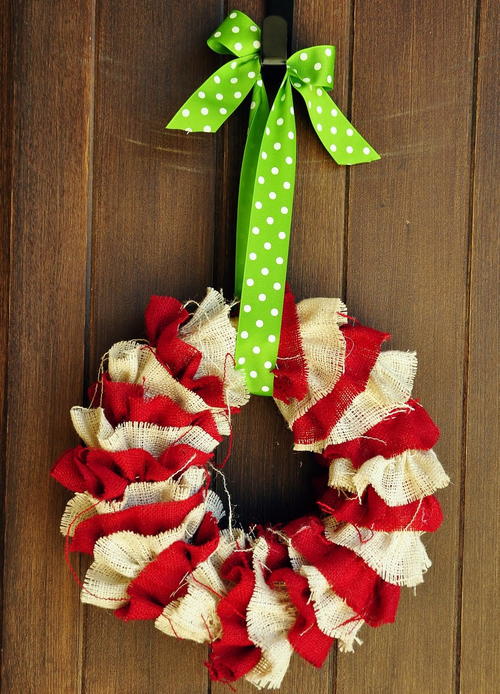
x,y
103,207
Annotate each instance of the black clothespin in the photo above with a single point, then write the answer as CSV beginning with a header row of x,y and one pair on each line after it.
x,y
277,32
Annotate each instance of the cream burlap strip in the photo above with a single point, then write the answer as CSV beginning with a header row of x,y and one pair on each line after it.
x,y
399,480
270,616
139,494
333,615
95,430
323,345
121,556
194,616
389,387
133,362
211,332
398,557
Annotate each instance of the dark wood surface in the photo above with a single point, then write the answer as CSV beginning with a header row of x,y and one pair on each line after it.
x,y
102,206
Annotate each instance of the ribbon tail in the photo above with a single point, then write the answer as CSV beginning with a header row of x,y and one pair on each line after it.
x,y
218,97
259,112
339,137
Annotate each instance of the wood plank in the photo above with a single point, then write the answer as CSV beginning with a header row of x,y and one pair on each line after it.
x,y
480,665
407,273
52,74
153,228
268,482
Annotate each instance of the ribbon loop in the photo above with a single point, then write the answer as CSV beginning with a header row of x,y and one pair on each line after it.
x,y
312,66
237,35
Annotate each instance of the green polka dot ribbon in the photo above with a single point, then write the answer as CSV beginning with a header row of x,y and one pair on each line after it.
x,y
267,174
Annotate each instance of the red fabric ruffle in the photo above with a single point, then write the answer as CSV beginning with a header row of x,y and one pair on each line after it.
x,y
372,511
371,597
290,374
362,349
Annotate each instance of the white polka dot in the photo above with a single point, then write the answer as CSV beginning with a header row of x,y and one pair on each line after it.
x,y
256,44
303,56
280,121
349,149
250,282
241,360
244,334
317,66
251,74
284,210
287,185
253,105
333,130
306,79
328,51
279,260
289,160
291,135
237,95
223,110
264,155
238,46
234,80
309,104
271,338
255,231
267,246
274,311
366,150
189,130
333,112
333,148
319,92
185,112
261,179
268,132
277,145
256,349
282,235
217,34
268,364
277,286
201,95
259,84
207,128
292,111
253,374
252,256
270,220
219,96
253,27
233,15
216,79
275,170
233,65
272,195
319,127
296,84
259,323
247,308
235,30
319,109
262,297
265,389
329,79
204,110
265,271
258,205
349,132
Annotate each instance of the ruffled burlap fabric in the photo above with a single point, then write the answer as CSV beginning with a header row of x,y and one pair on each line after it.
x,y
144,511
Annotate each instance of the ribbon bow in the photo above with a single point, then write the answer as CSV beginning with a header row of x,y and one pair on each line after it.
x,y
268,173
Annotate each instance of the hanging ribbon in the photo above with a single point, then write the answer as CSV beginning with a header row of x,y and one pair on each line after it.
x,y
268,173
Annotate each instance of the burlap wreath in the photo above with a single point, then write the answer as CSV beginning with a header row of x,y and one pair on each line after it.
x,y
144,510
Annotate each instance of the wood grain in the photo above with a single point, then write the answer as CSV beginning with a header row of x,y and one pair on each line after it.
x,y
479,664
107,208
153,231
407,274
52,77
